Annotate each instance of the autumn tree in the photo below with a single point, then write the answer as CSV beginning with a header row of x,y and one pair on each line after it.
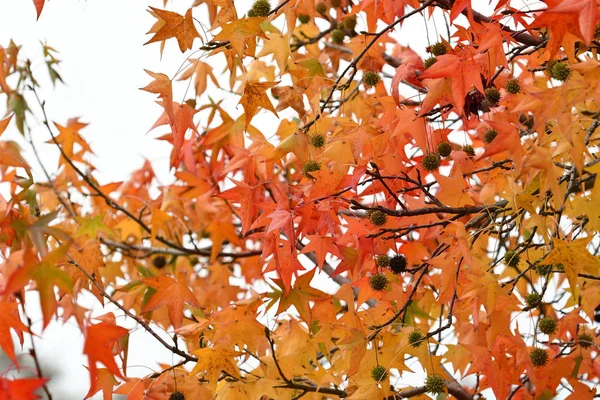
x,y
412,209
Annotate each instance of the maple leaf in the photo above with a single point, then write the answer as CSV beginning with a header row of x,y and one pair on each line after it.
x,y
105,381
464,73
255,96
162,86
68,136
91,226
290,96
172,293
285,262
213,361
180,118
39,6
241,32
9,314
278,45
561,15
453,190
46,275
299,296
202,71
4,123
100,341
321,245
575,257
242,194
134,389
10,155
21,389
174,25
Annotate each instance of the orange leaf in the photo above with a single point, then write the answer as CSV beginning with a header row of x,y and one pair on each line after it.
x,y
39,6
162,86
290,96
172,293
9,315
133,388
4,123
321,245
239,32
105,381
255,96
464,72
300,295
46,275
174,25
100,340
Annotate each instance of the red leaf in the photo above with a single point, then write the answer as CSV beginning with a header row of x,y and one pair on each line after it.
x,y
39,6
321,245
20,389
172,293
100,341
9,315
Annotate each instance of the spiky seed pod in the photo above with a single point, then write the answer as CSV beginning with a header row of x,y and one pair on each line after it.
x,y
398,263
317,140
559,267
337,36
532,299
585,340
435,384
378,373
492,95
415,338
378,281
490,135
159,262
431,162
429,62
470,150
438,49
560,71
538,357
304,18
321,8
512,86
378,218
512,258
383,260
547,325
444,149
549,65
260,8
371,78
177,396
543,269
310,166
350,22
597,32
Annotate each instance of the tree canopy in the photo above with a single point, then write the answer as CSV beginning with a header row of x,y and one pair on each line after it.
x,y
369,209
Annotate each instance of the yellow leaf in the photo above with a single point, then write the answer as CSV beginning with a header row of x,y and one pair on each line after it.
x,y
574,257
211,361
